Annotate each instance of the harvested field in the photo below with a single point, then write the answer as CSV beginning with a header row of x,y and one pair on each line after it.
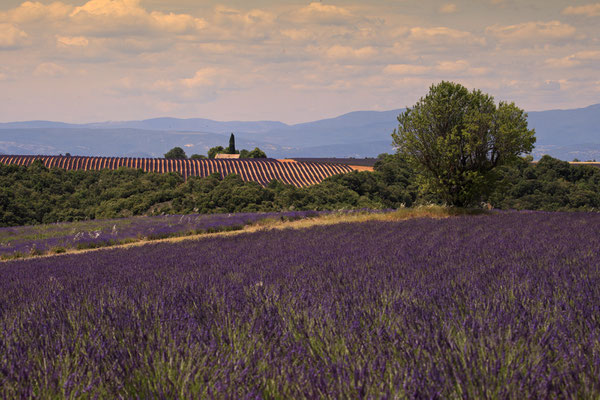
x,y
262,171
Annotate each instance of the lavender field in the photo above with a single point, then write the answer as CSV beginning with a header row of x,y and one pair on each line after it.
x,y
21,241
494,306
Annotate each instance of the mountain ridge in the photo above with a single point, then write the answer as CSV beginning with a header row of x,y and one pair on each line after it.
x,y
563,133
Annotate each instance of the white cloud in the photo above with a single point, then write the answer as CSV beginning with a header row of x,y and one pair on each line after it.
x,y
227,23
11,36
532,32
110,8
49,69
31,11
453,67
574,60
448,8
108,17
320,13
349,53
406,69
205,85
588,10
446,68
176,23
102,18
299,34
77,41
203,77
442,36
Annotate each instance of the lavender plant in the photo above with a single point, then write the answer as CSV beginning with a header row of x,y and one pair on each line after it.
x,y
493,306
39,239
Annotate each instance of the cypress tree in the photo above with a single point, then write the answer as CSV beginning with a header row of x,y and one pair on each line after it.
x,y
231,148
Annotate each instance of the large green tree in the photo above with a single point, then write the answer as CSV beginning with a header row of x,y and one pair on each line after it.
x,y
455,139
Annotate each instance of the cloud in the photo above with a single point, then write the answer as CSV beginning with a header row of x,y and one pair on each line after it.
x,y
110,8
319,13
448,8
227,23
548,85
11,37
3,76
532,32
204,77
442,36
77,41
349,53
103,18
460,67
574,60
203,86
299,34
109,17
407,69
29,12
49,69
588,10
442,68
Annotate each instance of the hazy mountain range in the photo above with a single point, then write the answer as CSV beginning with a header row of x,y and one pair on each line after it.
x,y
565,134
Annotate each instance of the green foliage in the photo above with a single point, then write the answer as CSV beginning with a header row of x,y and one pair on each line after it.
x,y
175,152
215,150
36,194
256,153
197,157
455,140
244,153
549,184
231,148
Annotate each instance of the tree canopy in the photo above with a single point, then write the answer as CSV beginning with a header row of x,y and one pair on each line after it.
x,y
455,140
256,153
215,150
175,152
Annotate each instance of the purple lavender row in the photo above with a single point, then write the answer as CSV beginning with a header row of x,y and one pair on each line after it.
x,y
495,306
42,238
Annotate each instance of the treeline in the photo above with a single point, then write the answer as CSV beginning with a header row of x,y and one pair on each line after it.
x,y
550,184
36,194
178,152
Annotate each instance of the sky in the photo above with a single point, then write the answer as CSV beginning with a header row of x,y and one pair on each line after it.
x,y
292,61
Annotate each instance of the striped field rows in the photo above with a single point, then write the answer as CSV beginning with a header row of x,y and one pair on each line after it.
x,y
299,174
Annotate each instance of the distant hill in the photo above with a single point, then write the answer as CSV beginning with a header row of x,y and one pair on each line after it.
x,y
565,134
192,124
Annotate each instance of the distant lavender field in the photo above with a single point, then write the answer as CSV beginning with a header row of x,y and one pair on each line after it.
x,y
37,239
497,306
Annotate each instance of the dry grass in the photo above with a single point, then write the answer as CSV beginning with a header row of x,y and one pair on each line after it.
x,y
274,224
